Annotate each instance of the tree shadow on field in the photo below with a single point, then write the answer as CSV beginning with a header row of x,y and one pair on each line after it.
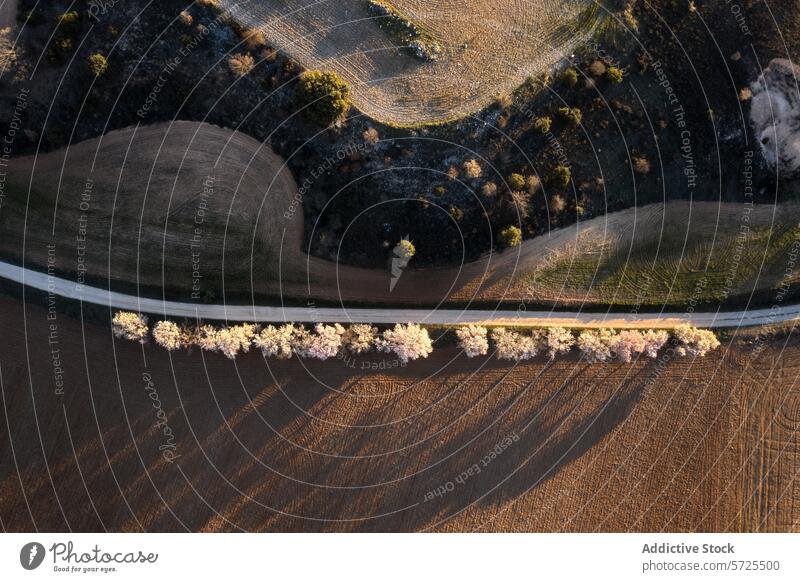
x,y
536,444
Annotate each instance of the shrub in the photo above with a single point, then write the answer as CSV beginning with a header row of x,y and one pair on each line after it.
x,y
542,124
595,345
456,213
597,68
472,339
323,96
168,335
371,136
186,18
614,75
557,204
570,77
241,64
511,236
472,169
641,165
561,176
97,64
504,101
407,342
516,181
532,184
489,189
694,342
439,191
360,338
130,326
571,115
69,23
254,39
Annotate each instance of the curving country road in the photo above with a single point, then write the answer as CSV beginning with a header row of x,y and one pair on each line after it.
x,y
256,313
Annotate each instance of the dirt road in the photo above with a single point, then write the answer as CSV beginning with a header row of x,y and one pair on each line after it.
x,y
261,313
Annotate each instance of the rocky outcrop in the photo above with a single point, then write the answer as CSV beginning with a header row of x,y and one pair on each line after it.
x,y
775,115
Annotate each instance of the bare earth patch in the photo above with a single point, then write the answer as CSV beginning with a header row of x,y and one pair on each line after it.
x,y
487,48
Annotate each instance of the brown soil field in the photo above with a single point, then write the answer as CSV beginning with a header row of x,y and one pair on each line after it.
x,y
446,444
489,48
136,195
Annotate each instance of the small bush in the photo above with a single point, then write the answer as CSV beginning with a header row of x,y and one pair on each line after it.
x,y
254,39
571,115
557,204
323,96
641,165
69,22
570,77
98,64
542,124
472,169
516,181
489,189
511,236
532,184
561,176
371,136
456,213
241,64
614,75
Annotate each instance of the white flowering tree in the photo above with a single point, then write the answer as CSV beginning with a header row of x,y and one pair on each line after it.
x,y
511,345
694,342
360,338
472,339
596,344
130,326
407,342
559,341
325,343
276,342
168,335
629,343
654,340
206,338
237,338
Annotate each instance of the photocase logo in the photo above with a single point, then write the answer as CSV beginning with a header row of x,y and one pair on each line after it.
x,y
401,255
31,555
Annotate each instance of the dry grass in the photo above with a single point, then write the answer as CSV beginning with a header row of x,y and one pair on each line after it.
x,y
489,48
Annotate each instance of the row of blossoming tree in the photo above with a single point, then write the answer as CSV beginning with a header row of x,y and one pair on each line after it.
x,y
411,341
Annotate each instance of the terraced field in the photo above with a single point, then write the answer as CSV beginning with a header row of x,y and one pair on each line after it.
x,y
487,48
